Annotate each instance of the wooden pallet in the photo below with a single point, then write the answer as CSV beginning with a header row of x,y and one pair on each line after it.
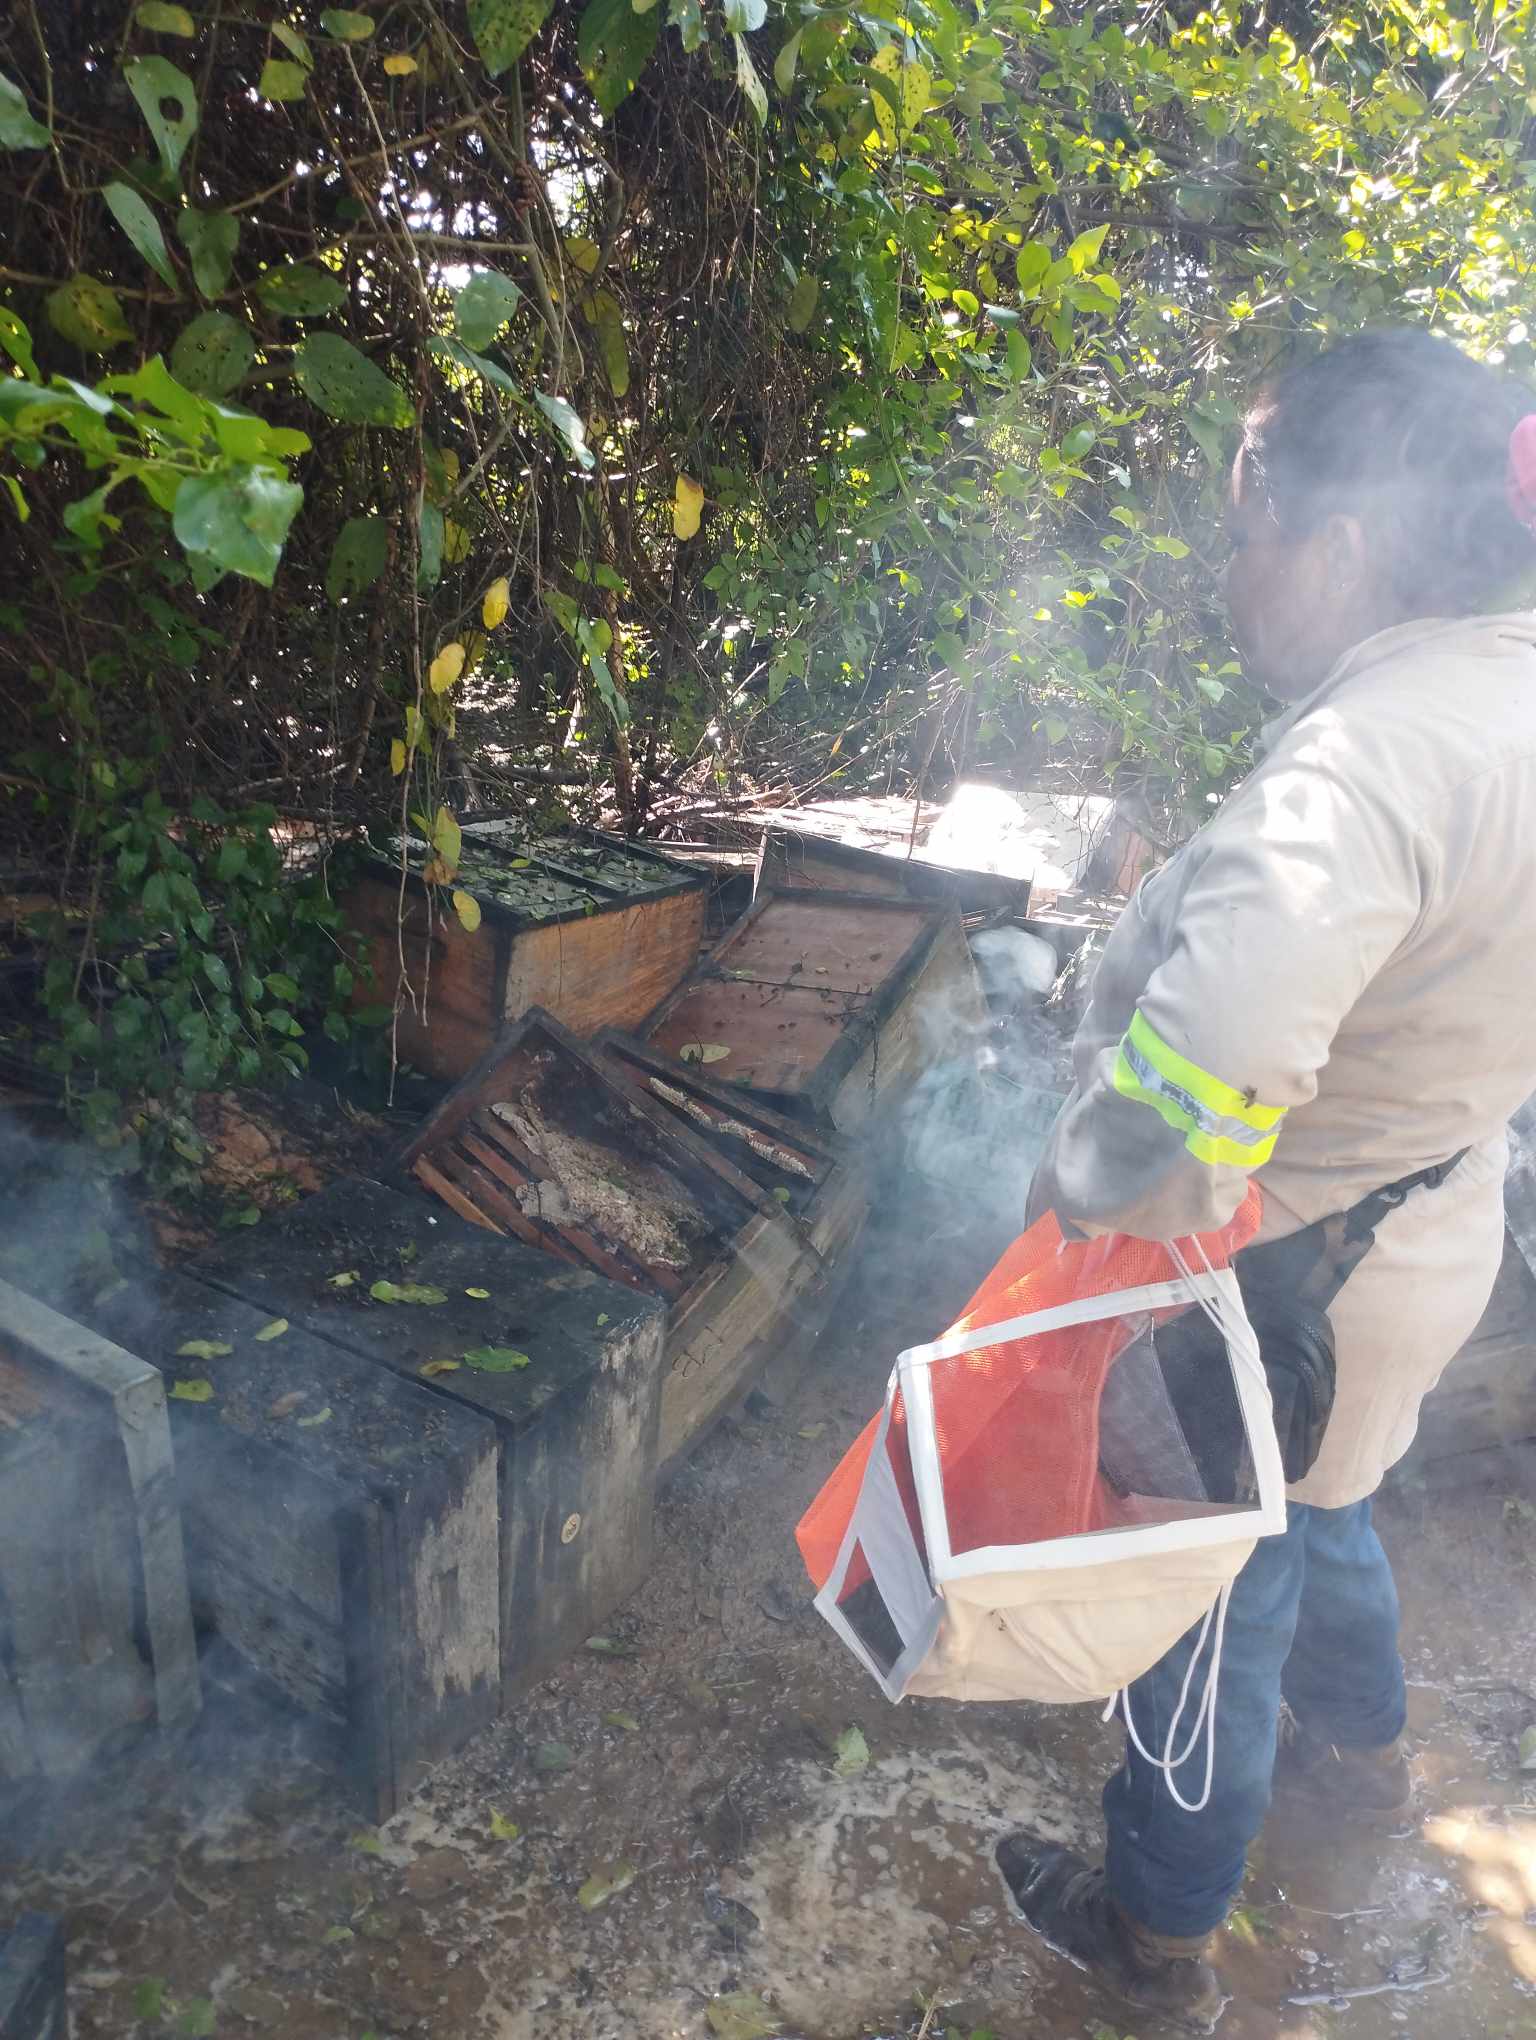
x,y
576,1427
89,1533
32,2001
825,1001
591,927
340,1526
793,859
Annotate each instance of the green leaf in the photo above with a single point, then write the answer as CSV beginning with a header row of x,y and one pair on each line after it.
x,y
358,557
1031,266
785,63
301,290
16,340
483,307
551,1758
295,44
142,228
687,17
281,81
488,371
1084,251
742,16
87,314
213,354
281,986
613,45
346,386
237,521
1172,548
154,83
966,301
1080,440
750,85
197,2019
204,1349
149,1998
566,422
161,19
18,130
503,29
88,520
210,239
802,301
608,322
1215,760
1018,356
431,536
851,1752
346,25
741,2015
274,1330
504,1830
407,1292
195,1390
496,1359
605,1884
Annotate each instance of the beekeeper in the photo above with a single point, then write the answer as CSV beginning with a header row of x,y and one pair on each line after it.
x,y
1331,985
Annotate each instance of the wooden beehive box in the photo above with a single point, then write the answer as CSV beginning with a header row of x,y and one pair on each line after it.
x,y
341,1528
792,859
565,1365
822,1001
782,1280
32,2001
594,929
89,1538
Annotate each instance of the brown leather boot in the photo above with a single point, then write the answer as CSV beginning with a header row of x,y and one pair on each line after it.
x,y
1065,1902
1375,1782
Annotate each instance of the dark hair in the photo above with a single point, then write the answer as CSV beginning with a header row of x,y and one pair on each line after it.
x,y
1406,432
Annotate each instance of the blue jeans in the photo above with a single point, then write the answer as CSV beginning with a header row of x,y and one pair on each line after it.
x,y
1314,1617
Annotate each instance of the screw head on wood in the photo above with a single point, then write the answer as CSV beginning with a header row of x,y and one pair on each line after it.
x,y
570,1530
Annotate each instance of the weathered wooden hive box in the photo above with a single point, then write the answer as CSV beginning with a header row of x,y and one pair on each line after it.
x,y
793,859
565,1366
594,929
341,1528
785,1277
32,2002
547,1142
90,1548
822,1001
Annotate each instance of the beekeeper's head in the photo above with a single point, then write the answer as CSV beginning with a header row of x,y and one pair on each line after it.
x,y
1388,479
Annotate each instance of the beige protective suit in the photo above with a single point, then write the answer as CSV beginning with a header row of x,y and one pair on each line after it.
x,y
1334,984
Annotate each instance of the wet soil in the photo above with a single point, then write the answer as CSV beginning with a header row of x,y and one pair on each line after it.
x,y
687,1770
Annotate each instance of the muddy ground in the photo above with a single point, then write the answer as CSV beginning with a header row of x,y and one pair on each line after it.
x,y
659,1844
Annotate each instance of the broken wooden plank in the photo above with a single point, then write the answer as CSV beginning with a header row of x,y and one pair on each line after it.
x,y
32,1979
122,1401
588,926
576,1425
340,1525
794,859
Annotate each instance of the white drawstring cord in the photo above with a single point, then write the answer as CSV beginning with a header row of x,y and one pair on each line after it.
x,y
1205,1717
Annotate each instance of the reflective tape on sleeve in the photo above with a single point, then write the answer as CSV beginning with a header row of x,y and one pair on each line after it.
x,y
1221,1126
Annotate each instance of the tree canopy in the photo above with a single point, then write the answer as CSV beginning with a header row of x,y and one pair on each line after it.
x,y
413,403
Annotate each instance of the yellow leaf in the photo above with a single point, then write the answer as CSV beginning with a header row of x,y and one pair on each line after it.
x,y
498,600
916,91
436,872
446,668
396,756
436,1367
399,66
703,1051
447,838
474,651
583,252
468,910
687,507
197,1390
888,63
275,1330
457,543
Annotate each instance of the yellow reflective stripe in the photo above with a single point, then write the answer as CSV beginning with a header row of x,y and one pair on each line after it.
x,y
1220,1127
1201,1086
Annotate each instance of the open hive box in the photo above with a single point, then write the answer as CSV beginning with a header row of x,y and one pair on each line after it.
x,y
594,929
821,1001
90,1548
808,1178
340,1525
794,859
563,1364
554,1143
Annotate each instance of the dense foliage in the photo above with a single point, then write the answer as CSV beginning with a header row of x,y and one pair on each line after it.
x,y
418,404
